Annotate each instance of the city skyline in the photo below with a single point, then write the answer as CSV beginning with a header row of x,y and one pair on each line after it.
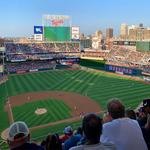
x,y
19,17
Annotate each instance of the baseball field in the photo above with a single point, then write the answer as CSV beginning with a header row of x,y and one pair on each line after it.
x,y
85,90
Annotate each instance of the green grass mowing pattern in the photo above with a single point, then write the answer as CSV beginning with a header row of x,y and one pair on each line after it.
x,y
3,115
42,133
56,110
99,86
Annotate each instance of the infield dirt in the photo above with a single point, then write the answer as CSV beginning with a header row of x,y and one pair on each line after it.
x,y
78,103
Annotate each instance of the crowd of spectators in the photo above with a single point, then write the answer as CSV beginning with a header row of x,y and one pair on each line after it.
x,y
30,65
124,57
31,48
31,56
117,55
25,57
146,69
119,129
96,54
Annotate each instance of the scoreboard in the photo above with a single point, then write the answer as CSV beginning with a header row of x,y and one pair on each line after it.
x,y
57,33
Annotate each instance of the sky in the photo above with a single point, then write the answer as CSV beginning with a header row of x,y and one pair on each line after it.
x,y
17,17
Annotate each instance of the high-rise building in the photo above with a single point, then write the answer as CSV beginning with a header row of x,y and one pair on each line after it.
x,y
131,27
139,34
124,31
97,40
109,33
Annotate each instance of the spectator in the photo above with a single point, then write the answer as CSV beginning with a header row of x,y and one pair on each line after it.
x,y
143,112
73,140
146,105
146,132
19,137
131,114
92,128
52,142
125,133
67,134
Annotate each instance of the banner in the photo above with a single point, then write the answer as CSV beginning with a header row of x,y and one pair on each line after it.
x,y
123,70
38,33
56,23
38,29
38,37
33,70
75,33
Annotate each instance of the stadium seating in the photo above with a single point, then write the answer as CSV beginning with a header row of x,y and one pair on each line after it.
x,y
122,56
32,48
31,65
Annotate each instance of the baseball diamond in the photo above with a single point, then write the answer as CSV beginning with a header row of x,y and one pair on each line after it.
x,y
96,86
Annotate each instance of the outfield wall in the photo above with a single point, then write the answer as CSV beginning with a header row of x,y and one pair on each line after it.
x,y
31,70
123,70
58,66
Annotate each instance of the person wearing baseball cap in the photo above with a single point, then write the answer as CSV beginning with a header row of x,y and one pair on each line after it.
x,y
67,134
19,137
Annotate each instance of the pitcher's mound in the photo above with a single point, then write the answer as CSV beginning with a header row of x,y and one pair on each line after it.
x,y
40,111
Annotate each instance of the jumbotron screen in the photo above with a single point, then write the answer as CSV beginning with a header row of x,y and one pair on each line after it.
x,y
57,33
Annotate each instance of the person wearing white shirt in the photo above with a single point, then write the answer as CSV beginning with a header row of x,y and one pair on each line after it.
x,y
125,133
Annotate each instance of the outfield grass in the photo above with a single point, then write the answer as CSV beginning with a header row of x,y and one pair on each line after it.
x,y
56,110
99,86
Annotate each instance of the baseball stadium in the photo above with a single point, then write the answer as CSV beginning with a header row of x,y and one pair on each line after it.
x,y
50,84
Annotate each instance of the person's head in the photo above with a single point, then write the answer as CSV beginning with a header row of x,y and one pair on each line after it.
x,y
68,131
53,142
92,127
130,114
18,134
146,105
115,108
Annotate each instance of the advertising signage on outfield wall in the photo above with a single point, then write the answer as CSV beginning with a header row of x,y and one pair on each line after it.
x,y
123,70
